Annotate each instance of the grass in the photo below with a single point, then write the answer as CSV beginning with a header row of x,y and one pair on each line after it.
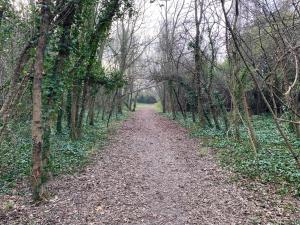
x,y
144,105
273,163
67,155
157,106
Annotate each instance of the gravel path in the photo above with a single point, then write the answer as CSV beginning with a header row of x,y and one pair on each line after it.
x,y
152,173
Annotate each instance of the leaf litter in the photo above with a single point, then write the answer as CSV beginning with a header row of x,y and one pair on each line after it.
x,y
152,173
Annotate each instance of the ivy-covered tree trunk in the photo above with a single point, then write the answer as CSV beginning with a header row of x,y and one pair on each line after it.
x,y
37,130
172,102
91,113
98,36
91,105
213,110
75,109
68,108
240,77
224,112
197,59
64,45
60,116
200,103
82,106
54,98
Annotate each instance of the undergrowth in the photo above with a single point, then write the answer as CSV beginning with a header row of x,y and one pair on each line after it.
x,y
67,155
272,164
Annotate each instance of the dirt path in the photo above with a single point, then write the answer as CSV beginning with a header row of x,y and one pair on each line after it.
x,y
152,174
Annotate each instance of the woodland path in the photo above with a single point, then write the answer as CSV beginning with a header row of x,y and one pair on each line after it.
x,y
152,173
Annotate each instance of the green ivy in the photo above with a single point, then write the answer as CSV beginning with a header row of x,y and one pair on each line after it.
x,y
273,164
67,155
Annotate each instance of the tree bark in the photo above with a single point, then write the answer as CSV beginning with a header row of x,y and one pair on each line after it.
x,y
164,98
83,106
11,98
91,112
135,101
119,101
68,108
59,65
253,77
74,110
197,59
170,88
37,130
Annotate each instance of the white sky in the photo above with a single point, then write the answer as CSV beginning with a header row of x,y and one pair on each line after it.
x,y
154,14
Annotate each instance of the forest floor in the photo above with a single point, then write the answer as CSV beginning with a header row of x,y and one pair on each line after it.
x,y
152,173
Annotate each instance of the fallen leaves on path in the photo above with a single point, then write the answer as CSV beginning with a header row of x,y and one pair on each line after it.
x,y
151,173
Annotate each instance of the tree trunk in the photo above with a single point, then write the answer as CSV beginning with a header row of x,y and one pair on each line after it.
x,y
130,96
179,104
1,15
68,108
74,110
200,102
197,59
164,98
37,130
296,109
119,101
91,113
213,110
59,65
10,99
170,84
104,109
60,115
252,135
111,108
82,106
253,77
235,119
135,101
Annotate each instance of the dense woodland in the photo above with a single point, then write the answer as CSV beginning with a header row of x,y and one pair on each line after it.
x,y
228,70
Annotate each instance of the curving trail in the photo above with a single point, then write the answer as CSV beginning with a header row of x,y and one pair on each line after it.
x,y
152,174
